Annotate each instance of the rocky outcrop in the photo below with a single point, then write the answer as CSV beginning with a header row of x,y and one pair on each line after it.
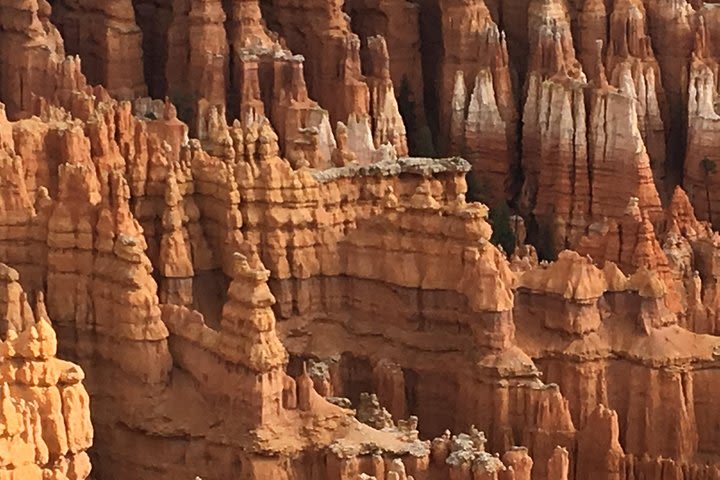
x,y
175,258
234,295
321,33
247,349
671,26
323,236
630,49
700,161
603,353
198,57
632,245
555,133
388,126
397,21
32,57
332,56
582,156
621,33
477,113
617,151
44,406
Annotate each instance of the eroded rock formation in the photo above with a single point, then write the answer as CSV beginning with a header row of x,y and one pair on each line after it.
x,y
44,408
260,282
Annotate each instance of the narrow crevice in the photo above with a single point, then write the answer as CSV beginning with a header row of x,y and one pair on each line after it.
x,y
431,51
232,87
154,20
268,14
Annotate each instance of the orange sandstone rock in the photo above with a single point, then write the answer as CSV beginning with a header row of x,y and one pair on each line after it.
x,y
331,51
31,47
203,282
46,428
108,38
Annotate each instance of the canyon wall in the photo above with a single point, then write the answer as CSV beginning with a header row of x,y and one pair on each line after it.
x,y
260,280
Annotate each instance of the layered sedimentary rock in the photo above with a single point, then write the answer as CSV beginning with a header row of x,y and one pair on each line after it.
x,y
478,115
671,26
584,160
700,159
691,247
93,236
44,413
107,37
388,126
622,33
617,154
398,22
334,70
198,56
32,57
556,189
630,49
331,51
234,295
579,290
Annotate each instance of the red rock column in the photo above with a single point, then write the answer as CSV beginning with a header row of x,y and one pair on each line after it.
x,y
555,157
322,35
617,151
198,58
474,46
398,22
388,126
175,259
599,454
671,26
390,387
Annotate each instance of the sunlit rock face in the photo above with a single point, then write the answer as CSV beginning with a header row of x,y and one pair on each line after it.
x,y
362,239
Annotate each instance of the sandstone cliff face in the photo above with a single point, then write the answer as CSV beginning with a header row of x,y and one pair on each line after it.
x,y
621,32
653,321
478,113
556,189
702,121
582,146
617,151
107,36
233,287
398,22
331,51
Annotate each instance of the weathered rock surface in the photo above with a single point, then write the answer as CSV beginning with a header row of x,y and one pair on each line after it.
x,y
32,56
44,408
106,35
478,113
236,285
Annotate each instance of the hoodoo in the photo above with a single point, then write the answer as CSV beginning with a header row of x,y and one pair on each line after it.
x,y
359,240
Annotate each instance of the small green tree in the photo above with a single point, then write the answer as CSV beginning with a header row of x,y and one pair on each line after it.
x,y
708,166
503,233
185,104
420,142
406,104
544,239
477,189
